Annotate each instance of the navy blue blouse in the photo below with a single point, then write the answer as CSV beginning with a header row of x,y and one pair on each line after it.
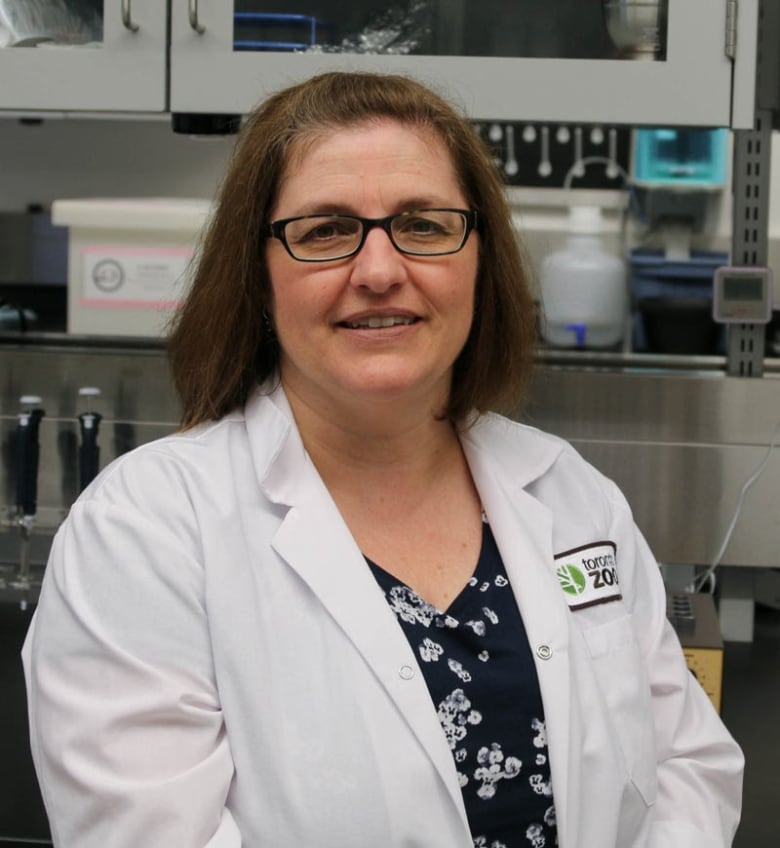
x,y
480,672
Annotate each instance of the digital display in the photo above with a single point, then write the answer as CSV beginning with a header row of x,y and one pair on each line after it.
x,y
743,288
742,295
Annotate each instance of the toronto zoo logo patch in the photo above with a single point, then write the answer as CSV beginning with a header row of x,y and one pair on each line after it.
x,y
588,574
572,580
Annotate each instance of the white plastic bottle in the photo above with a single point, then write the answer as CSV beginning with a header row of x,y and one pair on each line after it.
x,y
583,287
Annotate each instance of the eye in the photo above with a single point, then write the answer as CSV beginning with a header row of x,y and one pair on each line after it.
x,y
421,225
325,229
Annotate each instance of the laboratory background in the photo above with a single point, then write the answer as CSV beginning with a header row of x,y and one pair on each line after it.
x,y
636,141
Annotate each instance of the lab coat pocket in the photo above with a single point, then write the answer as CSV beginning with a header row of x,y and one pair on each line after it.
x,y
619,668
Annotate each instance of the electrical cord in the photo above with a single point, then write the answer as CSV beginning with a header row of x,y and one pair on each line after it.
x,y
709,574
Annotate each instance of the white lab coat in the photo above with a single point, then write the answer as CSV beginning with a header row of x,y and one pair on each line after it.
x,y
213,664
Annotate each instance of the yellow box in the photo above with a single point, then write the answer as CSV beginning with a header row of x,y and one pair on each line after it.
x,y
695,619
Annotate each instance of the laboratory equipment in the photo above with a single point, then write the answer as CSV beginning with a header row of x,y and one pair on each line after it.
x,y
672,302
678,176
583,288
27,458
89,449
742,295
637,27
278,31
128,261
695,620
680,158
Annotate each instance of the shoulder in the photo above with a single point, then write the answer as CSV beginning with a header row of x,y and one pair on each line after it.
x,y
198,474
164,470
539,454
547,467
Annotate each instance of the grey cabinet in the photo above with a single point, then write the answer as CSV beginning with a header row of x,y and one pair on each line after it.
x,y
84,55
530,60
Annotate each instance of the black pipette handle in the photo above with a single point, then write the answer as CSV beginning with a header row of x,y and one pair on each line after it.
x,y
89,450
27,454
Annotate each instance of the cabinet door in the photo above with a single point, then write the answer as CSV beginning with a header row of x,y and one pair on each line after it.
x,y
83,55
535,60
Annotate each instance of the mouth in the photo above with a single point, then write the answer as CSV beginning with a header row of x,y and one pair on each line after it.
x,y
376,322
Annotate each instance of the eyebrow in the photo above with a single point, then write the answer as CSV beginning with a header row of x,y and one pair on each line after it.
x,y
409,205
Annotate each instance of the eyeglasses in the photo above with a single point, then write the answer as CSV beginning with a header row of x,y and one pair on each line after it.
x,y
423,232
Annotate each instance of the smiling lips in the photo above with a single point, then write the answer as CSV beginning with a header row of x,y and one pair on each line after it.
x,y
375,322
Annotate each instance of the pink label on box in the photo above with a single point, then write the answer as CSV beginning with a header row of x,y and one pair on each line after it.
x,y
133,277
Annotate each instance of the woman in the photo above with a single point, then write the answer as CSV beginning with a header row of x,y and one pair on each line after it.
x,y
348,605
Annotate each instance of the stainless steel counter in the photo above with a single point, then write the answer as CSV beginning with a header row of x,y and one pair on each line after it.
x,y
678,436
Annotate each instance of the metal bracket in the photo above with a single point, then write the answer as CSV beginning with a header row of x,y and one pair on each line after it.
x,y
750,213
749,240
731,29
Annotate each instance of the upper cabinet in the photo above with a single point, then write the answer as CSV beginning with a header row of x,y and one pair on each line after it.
x,y
656,62
651,62
85,55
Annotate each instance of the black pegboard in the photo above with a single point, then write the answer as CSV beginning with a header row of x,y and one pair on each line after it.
x,y
563,143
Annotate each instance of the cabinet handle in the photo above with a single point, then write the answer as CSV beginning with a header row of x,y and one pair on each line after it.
x,y
194,22
127,20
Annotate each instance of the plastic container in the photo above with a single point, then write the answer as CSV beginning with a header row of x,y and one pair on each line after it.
x,y
680,325
673,302
681,158
583,288
128,261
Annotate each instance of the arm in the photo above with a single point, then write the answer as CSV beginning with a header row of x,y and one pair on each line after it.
x,y
126,728
699,764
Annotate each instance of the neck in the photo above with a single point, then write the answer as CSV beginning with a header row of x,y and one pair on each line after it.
x,y
403,487
391,439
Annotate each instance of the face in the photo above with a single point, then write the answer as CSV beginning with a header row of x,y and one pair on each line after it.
x,y
325,313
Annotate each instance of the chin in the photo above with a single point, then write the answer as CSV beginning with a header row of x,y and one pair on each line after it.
x,y
386,387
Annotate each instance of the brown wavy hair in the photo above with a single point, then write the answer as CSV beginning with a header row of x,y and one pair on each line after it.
x,y
220,347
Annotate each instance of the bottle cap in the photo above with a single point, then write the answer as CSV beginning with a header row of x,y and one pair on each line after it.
x,y
585,220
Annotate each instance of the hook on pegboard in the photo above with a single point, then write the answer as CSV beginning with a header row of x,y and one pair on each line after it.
x,y
540,155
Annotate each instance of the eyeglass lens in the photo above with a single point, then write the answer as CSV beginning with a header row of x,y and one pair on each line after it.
x,y
425,233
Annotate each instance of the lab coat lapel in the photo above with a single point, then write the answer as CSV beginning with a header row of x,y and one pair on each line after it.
x,y
316,543
523,529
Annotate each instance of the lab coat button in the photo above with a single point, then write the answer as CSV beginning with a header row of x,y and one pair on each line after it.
x,y
406,672
544,652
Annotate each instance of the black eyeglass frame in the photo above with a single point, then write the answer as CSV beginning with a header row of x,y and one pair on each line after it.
x,y
276,230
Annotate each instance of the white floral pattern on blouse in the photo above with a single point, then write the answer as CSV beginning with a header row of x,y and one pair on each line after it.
x,y
478,667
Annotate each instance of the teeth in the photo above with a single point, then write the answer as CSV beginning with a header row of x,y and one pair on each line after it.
x,y
375,323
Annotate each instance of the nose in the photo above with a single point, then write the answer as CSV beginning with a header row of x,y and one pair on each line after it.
x,y
378,266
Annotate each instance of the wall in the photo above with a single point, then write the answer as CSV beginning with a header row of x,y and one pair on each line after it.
x,y
80,157
104,158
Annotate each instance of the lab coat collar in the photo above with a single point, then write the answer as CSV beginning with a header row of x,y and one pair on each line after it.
x,y
513,452
315,542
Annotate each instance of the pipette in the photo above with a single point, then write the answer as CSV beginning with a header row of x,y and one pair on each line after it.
x,y
27,456
89,450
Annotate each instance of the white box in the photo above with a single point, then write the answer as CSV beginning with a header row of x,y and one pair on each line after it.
x,y
128,261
